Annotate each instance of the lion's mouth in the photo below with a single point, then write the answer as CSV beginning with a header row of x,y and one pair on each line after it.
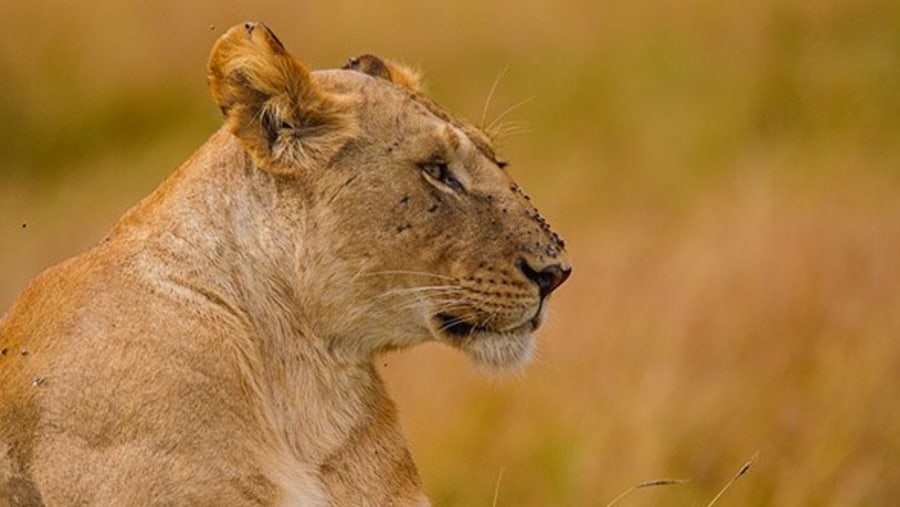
x,y
458,327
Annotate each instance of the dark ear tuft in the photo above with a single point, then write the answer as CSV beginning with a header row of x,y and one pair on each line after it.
x,y
369,64
385,69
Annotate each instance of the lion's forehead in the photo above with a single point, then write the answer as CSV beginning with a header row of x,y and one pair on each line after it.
x,y
369,91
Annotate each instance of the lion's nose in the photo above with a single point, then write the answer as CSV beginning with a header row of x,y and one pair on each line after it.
x,y
547,278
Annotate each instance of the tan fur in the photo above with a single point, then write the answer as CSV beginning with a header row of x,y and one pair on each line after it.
x,y
217,348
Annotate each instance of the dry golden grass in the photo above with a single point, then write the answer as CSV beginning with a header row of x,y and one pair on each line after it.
x,y
726,175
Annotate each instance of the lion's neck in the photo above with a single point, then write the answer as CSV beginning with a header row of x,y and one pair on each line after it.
x,y
217,238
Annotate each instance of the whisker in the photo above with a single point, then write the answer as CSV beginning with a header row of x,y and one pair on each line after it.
x,y
484,322
403,272
440,300
509,129
426,287
451,305
454,321
441,304
466,317
509,110
359,272
487,102
416,290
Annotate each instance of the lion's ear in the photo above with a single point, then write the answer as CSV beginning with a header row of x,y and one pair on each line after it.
x,y
386,69
271,103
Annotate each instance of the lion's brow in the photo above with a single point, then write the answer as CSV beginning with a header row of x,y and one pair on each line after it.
x,y
473,133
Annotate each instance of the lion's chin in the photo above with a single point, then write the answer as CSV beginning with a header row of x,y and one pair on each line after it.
x,y
500,351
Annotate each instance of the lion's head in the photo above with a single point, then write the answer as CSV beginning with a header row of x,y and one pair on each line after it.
x,y
407,226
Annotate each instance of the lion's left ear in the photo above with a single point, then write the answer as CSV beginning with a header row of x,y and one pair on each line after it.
x,y
271,104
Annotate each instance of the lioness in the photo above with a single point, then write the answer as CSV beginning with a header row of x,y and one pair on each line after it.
x,y
217,347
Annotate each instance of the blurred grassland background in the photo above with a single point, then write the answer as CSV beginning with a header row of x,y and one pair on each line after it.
x,y
727,175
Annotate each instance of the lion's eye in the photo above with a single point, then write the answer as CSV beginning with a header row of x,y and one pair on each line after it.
x,y
440,173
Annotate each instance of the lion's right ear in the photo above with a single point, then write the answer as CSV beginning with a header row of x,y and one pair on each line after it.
x,y
271,103
385,69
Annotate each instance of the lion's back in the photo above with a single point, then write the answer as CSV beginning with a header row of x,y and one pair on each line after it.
x,y
28,332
